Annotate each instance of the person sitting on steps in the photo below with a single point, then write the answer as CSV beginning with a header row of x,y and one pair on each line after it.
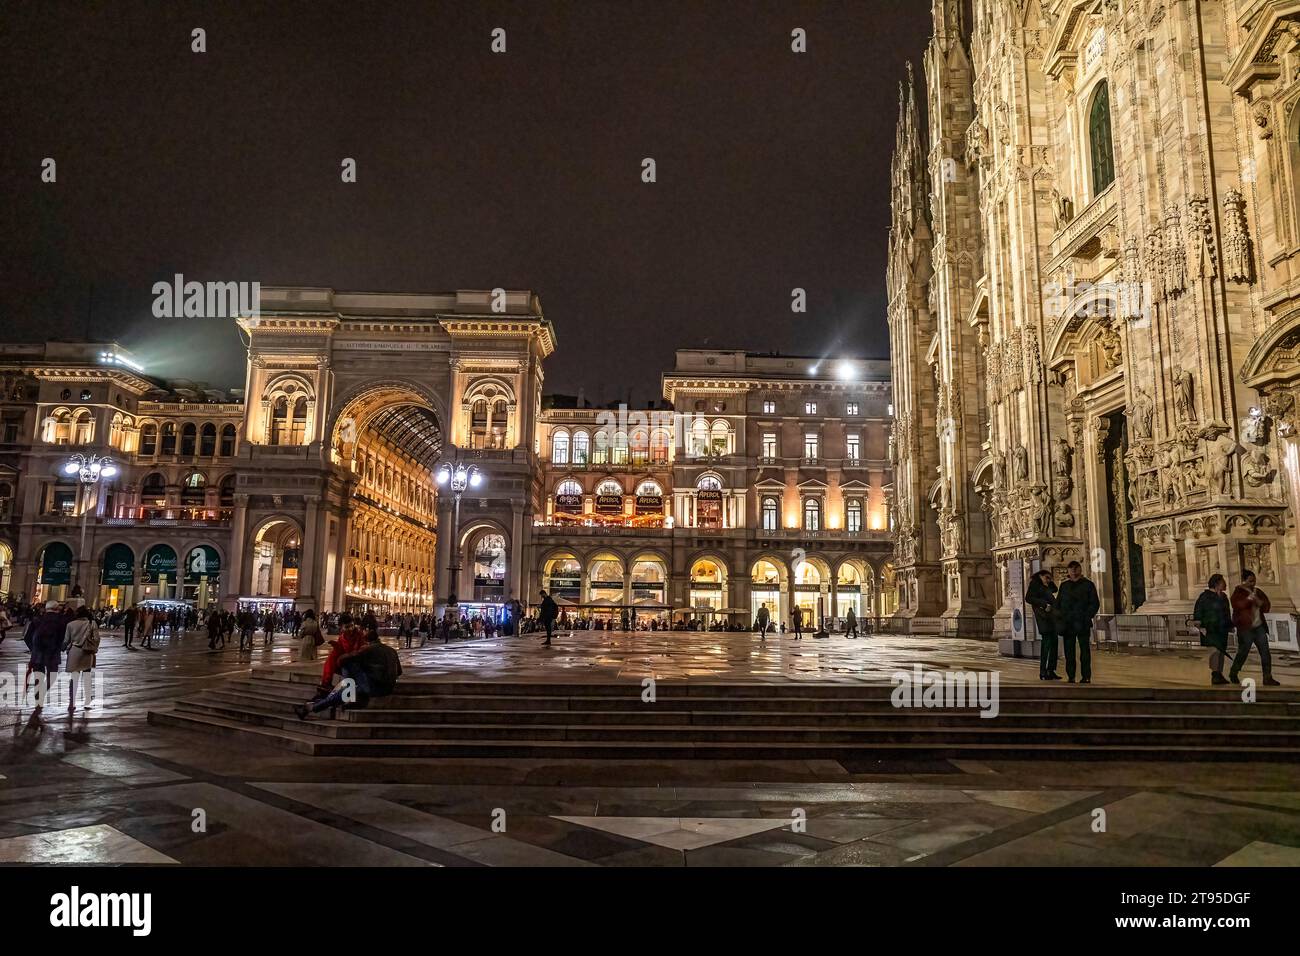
x,y
369,671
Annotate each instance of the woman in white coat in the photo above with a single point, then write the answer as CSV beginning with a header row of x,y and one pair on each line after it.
x,y
82,644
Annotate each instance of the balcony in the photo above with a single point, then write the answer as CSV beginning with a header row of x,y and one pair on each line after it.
x,y
799,534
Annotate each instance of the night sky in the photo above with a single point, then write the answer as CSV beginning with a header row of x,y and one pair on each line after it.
x,y
475,170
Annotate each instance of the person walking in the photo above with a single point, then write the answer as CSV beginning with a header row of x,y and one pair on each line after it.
x,y
547,615
1249,605
796,620
47,636
247,625
1078,603
128,626
216,630
81,642
764,620
1213,616
1041,596
851,623
310,636
147,619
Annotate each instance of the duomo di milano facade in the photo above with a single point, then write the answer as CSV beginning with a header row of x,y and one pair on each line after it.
x,y
1095,303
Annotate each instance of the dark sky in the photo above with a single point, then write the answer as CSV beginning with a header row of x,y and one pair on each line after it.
x,y
475,170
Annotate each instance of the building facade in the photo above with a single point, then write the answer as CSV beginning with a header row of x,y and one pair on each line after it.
x,y
156,524
1093,257
760,480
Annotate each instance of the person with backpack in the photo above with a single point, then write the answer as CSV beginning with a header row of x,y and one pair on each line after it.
x,y
547,615
81,642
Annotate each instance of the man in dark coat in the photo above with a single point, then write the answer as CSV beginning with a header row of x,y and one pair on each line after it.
x,y
1213,616
1078,603
47,634
1041,596
547,614
1249,605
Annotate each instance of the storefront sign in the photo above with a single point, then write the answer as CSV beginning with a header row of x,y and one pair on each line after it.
x,y
649,503
160,561
56,564
119,566
202,562
570,503
609,503
708,494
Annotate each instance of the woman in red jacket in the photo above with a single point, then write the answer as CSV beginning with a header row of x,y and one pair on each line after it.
x,y
1249,605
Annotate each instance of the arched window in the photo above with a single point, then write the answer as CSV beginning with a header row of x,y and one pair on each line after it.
x,y
149,440
659,443
227,441
699,438
581,448
609,487
193,489
1099,140
812,514
298,424
83,428
208,440
228,491
189,436
640,447
560,448
708,483
771,514
600,451
853,515
500,415
720,443
620,448
169,438
568,487
649,487
279,420
153,490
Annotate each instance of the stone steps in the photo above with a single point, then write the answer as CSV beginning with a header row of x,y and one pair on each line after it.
x,y
431,718
1112,715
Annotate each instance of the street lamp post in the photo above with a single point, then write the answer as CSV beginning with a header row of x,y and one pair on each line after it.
x,y
456,476
89,469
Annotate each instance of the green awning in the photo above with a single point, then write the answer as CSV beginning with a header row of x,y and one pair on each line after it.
x,y
118,567
56,564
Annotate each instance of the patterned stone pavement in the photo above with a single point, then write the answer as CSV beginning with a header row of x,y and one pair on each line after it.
x,y
107,787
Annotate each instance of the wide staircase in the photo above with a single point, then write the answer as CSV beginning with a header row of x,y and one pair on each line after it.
x,y
730,721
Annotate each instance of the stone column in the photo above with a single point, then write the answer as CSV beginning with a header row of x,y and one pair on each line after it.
x,y
309,567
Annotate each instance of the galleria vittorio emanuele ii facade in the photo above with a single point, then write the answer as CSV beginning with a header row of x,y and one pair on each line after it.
x,y
1094,293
